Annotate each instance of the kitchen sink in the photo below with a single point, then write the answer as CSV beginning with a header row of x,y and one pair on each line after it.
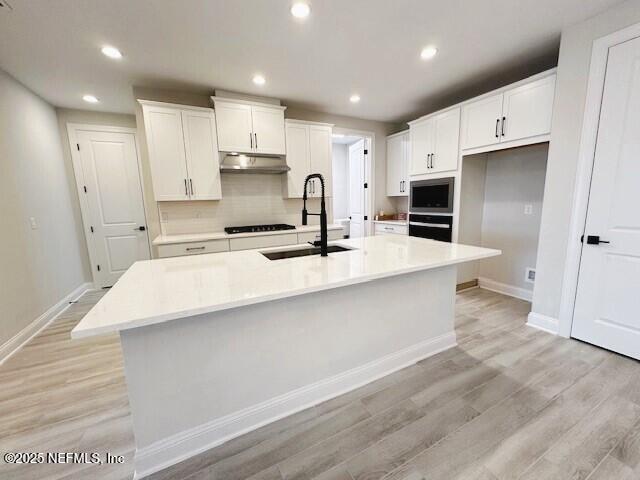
x,y
302,252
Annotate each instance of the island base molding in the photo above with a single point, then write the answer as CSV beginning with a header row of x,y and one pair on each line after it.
x,y
198,382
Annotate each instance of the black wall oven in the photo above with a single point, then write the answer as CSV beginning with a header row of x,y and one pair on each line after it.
x,y
435,227
431,196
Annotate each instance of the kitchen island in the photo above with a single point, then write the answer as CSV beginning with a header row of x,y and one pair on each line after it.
x,y
217,345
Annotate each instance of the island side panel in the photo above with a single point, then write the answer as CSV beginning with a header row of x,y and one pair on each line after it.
x,y
199,381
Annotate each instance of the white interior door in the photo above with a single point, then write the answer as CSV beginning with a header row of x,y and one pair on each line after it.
x,y
607,300
113,195
356,189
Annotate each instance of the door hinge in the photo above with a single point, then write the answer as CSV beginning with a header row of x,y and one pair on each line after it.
x,y
91,229
85,188
366,217
78,145
366,152
582,239
98,267
366,185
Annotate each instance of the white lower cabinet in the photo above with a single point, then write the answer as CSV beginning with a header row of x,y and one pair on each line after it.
x,y
248,243
388,228
308,151
313,236
193,248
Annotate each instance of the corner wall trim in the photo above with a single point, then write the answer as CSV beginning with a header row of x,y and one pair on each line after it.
x,y
179,447
16,342
543,322
510,290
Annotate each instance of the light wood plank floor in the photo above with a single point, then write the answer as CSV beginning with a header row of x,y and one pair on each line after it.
x,y
509,402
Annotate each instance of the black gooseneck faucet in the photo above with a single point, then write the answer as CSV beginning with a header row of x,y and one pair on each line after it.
x,y
322,214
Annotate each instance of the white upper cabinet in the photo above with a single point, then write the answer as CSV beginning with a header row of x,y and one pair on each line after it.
x,y
447,142
434,143
481,122
308,151
235,129
398,154
183,152
201,147
268,130
320,151
422,138
516,116
245,127
527,110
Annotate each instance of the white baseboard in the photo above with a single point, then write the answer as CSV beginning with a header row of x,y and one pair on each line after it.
x,y
27,333
543,322
512,291
184,445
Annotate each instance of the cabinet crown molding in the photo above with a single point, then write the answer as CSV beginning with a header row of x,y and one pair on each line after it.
x,y
247,102
305,122
154,103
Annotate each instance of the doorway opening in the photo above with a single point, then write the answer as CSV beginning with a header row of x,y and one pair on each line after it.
x,y
352,161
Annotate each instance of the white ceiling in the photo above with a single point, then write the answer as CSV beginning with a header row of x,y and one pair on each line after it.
x,y
370,47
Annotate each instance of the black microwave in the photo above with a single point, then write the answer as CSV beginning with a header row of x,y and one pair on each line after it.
x,y
431,196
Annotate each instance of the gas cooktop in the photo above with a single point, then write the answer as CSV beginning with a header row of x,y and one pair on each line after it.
x,y
259,228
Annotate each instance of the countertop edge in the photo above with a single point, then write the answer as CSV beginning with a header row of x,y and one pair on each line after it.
x,y
148,321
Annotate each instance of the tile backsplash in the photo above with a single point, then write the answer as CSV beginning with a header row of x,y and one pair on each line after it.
x,y
247,199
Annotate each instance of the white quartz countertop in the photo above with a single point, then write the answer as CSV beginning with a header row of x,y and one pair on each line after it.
x,y
202,237
156,291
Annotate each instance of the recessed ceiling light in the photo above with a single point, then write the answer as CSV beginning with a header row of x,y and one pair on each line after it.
x,y
300,10
355,98
259,79
111,52
428,52
90,99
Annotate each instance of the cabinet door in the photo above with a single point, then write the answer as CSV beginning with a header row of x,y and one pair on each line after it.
x,y
297,159
165,141
235,132
395,159
445,155
268,130
527,109
422,138
404,165
481,122
320,157
201,149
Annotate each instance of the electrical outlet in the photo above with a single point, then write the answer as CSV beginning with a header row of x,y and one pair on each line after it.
x,y
33,222
164,216
530,275
528,209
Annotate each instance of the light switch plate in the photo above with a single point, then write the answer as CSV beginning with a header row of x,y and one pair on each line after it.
x,y
530,275
33,222
528,209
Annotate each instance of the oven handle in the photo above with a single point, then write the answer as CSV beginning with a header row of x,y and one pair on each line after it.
x,y
433,225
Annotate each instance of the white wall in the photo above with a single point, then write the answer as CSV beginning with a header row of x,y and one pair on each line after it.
x,y
38,267
515,178
340,165
568,111
494,191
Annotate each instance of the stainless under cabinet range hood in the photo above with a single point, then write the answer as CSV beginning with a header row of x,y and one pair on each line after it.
x,y
238,163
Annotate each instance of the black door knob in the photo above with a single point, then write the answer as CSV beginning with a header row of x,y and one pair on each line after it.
x,y
142,228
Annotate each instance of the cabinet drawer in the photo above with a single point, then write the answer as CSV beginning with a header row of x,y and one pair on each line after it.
x,y
248,243
312,236
382,228
192,248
